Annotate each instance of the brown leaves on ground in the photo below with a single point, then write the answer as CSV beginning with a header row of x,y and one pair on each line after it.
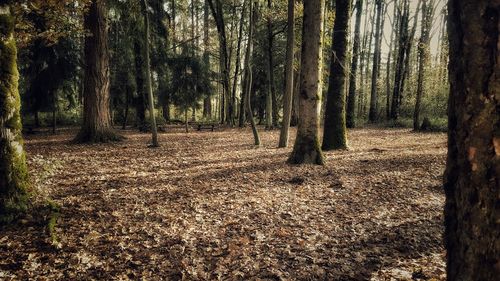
x,y
209,206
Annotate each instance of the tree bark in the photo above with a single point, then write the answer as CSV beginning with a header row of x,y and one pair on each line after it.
x,y
207,101
472,177
238,62
373,116
140,106
392,50
96,125
218,15
307,149
248,70
398,75
351,102
423,53
273,101
13,169
335,132
149,85
287,102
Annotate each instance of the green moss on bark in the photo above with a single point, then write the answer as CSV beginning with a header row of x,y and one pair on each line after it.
x,y
14,193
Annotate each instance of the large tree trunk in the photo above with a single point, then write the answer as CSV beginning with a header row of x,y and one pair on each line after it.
x,y
351,102
287,102
96,125
13,169
335,135
472,177
149,85
373,116
307,149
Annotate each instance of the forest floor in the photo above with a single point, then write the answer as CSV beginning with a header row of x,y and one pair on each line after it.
x,y
211,206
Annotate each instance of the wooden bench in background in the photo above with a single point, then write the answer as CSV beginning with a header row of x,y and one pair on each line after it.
x,y
206,126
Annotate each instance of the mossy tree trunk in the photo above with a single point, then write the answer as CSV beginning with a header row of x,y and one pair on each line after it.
x,y
335,135
288,97
472,177
307,149
351,101
97,126
13,170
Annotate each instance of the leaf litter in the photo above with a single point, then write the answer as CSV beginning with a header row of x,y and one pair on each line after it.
x,y
211,206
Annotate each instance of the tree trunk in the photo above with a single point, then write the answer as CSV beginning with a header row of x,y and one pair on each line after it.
x,y
207,101
218,15
403,63
248,70
392,50
398,78
295,100
13,169
423,53
37,119
238,62
307,149
272,87
472,177
373,116
54,112
140,107
351,102
186,122
96,125
127,106
149,86
365,59
287,103
335,135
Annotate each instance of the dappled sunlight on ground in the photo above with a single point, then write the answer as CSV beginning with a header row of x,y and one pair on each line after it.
x,y
209,205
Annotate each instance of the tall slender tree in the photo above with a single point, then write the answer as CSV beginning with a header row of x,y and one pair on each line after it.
x,y
373,116
351,101
96,126
287,103
248,72
390,61
472,177
207,101
306,149
335,133
238,62
423,54
224,60
149,86
13,169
